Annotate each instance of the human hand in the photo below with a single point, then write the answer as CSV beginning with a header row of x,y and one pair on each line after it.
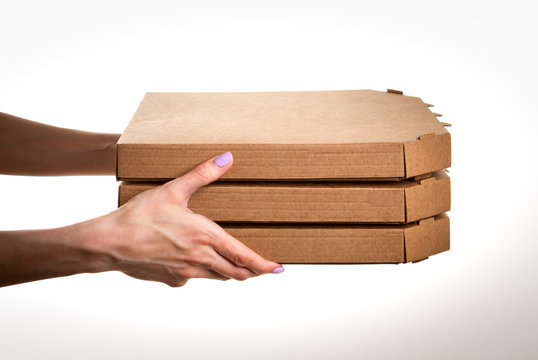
x,y
155,236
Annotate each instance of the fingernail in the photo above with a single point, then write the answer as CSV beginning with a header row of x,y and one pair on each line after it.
x,y
278,270
223,159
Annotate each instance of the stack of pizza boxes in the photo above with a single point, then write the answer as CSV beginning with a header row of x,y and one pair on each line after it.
x,y
352,176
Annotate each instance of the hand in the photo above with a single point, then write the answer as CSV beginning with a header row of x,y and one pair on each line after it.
x,y
156,237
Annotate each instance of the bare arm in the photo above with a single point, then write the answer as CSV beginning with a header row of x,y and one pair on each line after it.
x,y
152,237
32,148
31,255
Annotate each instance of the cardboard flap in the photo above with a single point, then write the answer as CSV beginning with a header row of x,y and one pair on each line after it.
x,y
428,153
428,197
428,237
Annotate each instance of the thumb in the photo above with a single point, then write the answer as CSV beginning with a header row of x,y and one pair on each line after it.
x,y
203,174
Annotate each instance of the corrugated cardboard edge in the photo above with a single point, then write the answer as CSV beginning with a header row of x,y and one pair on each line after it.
x,y
290,202
338,244
429,197
431,236
419,200
428,153
323,244
147,162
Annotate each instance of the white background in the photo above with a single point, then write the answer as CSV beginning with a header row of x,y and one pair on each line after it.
x,y
87,65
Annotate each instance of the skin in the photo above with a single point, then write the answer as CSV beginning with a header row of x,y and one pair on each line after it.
x,y
155,236
32,148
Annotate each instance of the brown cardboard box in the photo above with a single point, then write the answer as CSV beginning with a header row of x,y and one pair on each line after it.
x,y
344,135
295,243
319,202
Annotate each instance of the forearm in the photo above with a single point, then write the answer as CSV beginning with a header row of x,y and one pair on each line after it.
x,y
31,255
31,148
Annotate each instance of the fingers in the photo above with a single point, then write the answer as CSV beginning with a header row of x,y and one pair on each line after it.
x,y
174,277
152,272
198,272
241,255
215,275
224,267
205,173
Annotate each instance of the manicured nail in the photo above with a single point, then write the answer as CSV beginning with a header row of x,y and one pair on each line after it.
x,y
278,270
223,159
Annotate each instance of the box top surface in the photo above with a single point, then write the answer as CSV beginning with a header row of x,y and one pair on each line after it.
x,y
311,117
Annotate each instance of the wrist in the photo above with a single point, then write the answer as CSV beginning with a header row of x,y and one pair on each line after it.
x,y
99,154
90,241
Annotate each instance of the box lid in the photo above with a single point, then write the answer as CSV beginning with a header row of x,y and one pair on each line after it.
x,y
348,134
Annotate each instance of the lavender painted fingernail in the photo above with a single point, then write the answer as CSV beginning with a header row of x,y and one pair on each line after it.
x,y
223,159
278,270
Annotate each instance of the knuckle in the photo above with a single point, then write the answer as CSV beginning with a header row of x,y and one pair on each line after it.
x,y
186,273
178,283
172,190
168,188
242,259
204,171
202,237
241,275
